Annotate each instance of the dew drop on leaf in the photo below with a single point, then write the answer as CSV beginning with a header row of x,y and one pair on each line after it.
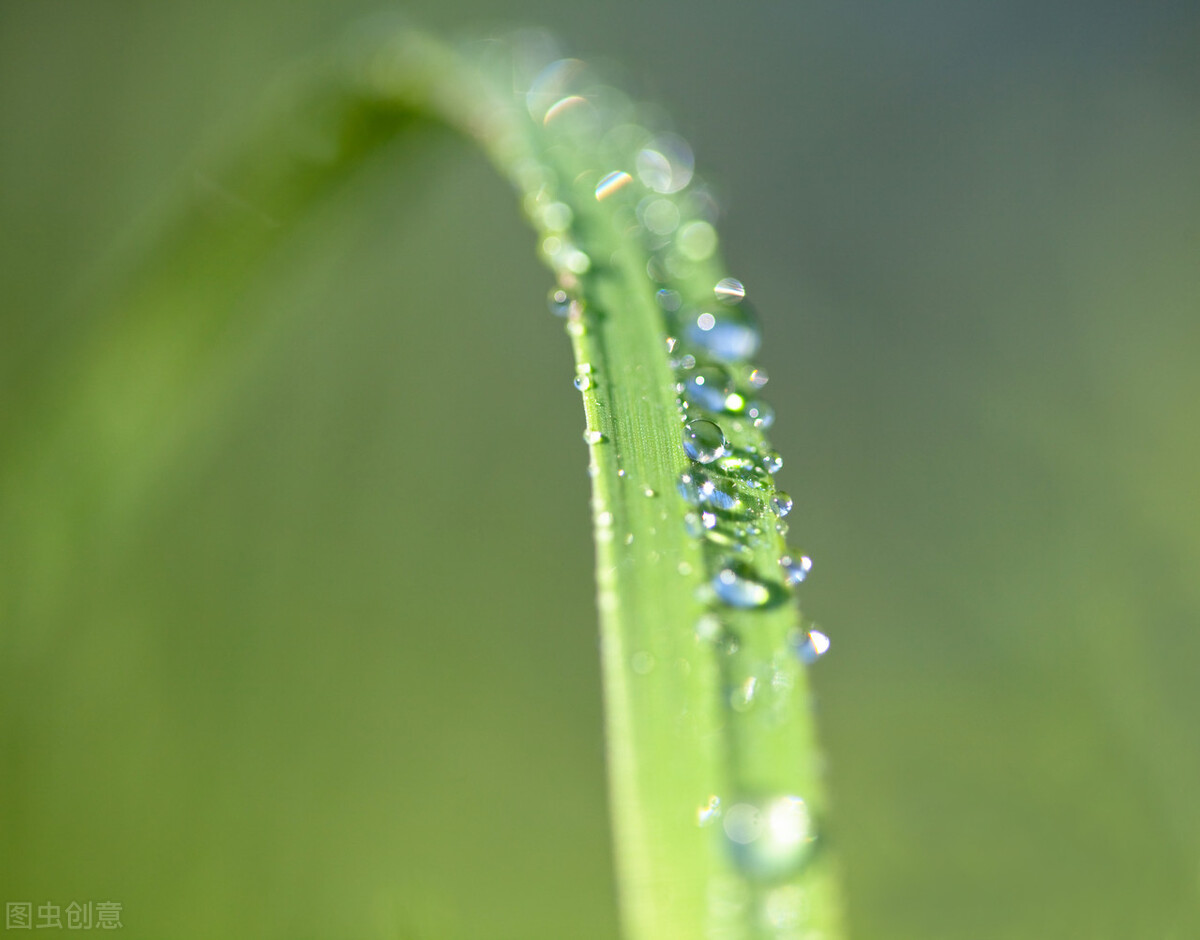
x,y
729,290
738,587
795,568
703,440
770,838
727,334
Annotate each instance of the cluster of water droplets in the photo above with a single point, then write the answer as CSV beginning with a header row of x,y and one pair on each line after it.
x,y
713,337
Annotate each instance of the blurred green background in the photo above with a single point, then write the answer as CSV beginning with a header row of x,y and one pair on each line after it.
x,y
333,672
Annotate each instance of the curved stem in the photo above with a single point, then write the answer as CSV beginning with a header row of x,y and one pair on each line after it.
x,y
717,804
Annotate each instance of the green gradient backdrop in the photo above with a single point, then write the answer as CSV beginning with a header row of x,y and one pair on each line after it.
x,y
334,675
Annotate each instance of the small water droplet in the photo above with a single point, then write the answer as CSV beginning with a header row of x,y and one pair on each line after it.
x,y
556,216
611,183
604,519
648,491
738,587
758,378
669,300
781,504
795,569
762,414
687,362
772,462
770,838
742,698
621,472
642,663
583,382
709,520
709,629
697,241
559,302
665,164
591,436
730,290
729,335
712,389
708,811
784,909
810,645
703,440
660,216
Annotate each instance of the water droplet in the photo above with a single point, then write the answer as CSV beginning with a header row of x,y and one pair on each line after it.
x,y
642,663
737,586
669,300
762,414
709,629
604,519
621,472
611,183
784,909
697,241
729,335
795,569
729,290
781,504
742,698
671,341
559,302
583,382
770,838
556,216
688,362
772,462
709,519
810,645
708,811
665,164
592,437
711,388
703,440
757,377
648,491
660,216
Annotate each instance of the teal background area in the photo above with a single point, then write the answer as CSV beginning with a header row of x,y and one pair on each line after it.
x,y
333,672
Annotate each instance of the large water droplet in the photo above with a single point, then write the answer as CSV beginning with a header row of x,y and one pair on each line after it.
x,y
737,586
729,334
770,838
781,504
703,440
712,389
795,568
